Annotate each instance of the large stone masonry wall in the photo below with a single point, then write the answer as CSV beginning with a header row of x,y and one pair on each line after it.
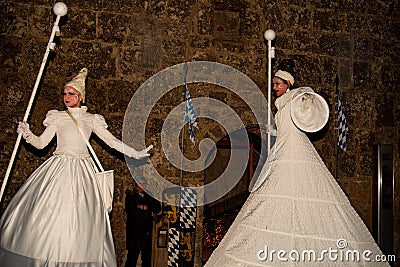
x,y
124,43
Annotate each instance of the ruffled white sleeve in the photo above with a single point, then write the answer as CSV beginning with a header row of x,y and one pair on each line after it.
x,y
100,129
51,128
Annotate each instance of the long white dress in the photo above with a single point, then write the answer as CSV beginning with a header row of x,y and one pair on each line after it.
x,y
57,218
299,210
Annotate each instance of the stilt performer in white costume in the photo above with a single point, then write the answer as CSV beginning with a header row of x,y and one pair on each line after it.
x,y
297,214
58,217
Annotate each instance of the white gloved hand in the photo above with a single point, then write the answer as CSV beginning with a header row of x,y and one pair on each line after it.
x,y
307,100
23,128
142,154
270,129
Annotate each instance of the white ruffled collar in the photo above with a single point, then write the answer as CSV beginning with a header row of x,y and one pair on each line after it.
x,y
80,110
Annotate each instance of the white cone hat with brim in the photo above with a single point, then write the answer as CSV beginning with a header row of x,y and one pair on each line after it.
x,y
284,75
78,82
309,111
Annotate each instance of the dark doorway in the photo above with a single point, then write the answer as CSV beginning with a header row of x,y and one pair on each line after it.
x,y
220,214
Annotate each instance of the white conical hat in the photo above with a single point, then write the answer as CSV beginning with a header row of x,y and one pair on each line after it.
x,y
78,82
309,111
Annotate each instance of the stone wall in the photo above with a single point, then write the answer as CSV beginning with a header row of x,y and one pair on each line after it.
x,y
124,43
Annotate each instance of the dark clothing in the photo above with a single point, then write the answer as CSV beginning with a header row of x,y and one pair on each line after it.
x,y
139,226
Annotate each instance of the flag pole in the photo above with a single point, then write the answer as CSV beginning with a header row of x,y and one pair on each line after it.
x,y
60,9
336,127
269,35
183,154
185,70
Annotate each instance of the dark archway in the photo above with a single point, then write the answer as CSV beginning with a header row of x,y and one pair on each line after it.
x,y
219,215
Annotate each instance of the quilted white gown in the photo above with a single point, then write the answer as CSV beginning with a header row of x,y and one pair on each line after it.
x,y
299,209
57,218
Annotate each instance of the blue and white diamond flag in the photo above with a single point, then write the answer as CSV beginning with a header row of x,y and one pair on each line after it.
x,y
190,113
343,128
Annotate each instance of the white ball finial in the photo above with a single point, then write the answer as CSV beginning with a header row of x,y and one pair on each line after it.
x,y
269,35
60,9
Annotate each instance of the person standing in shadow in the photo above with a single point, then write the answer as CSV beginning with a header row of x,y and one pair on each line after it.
x,y
140,208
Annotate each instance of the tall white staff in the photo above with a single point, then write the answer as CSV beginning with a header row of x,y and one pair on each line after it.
x,y
269,35
60,9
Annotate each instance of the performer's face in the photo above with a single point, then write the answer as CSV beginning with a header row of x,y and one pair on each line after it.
x,y
279,86
72,97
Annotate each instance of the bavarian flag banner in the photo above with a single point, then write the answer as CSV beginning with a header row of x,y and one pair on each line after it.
x,y
180,207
